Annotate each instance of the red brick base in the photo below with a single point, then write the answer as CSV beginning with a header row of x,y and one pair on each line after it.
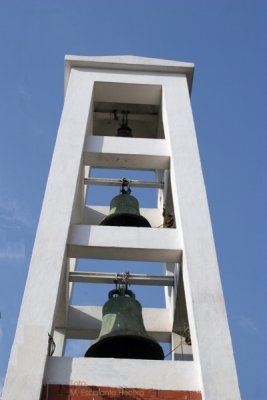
x,y
75,392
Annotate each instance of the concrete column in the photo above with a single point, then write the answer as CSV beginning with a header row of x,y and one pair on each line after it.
x,y
211,341
29,352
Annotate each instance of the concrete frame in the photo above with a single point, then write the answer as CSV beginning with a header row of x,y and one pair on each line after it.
x,y
45,307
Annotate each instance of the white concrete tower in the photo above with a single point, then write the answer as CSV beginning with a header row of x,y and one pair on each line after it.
x,y
156,93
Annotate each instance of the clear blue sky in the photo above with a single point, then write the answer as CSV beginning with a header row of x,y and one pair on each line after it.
x,y
226,39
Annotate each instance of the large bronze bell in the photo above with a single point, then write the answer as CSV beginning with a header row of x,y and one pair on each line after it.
x,y
123,334
124,211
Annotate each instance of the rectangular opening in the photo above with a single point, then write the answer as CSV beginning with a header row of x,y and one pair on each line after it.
x,y
151,188
97,294
102,195
136,105
87,300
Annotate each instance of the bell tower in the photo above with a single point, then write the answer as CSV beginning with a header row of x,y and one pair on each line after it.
x,y
124,114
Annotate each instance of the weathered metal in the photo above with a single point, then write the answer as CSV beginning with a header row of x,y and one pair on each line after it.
x,y
123,334
124,211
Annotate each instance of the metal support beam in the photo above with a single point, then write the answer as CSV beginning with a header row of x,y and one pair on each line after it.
x,y
130,117
132,279
118,182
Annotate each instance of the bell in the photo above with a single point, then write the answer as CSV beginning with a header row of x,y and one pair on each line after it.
x,y
124,211
123,334
124,130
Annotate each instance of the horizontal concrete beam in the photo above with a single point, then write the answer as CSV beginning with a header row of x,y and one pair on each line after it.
x,y
112,372
119,152
84,322
120,243
128,63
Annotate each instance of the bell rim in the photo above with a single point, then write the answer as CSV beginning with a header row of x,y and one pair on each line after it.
x,y
159,354
130,217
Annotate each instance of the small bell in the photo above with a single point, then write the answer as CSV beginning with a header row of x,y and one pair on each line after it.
x,y
123,334
124,210
124,130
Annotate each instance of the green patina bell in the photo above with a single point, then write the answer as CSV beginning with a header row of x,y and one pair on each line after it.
x,y
123,334
124,211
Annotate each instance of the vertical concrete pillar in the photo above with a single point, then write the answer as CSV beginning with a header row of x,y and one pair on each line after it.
x,y
211,340
28,358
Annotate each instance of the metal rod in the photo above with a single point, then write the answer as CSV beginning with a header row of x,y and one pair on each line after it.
x,y
118,182
131,117
132,279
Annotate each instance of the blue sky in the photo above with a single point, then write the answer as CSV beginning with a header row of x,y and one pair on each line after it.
x,y
227,42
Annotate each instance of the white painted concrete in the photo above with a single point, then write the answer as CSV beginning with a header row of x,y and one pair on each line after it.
x,y
28,357
115,152
146,374
118,243
211,340
61,234
129,63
